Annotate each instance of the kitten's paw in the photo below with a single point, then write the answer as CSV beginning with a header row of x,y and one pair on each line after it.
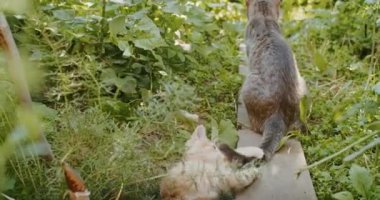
x,y
251,151
255,163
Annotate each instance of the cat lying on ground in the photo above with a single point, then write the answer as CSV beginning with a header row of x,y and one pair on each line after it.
x,y
207,170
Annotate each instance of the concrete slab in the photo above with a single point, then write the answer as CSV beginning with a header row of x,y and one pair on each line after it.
x,y
243,121
279,179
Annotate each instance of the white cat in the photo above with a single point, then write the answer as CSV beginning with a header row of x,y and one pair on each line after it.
x,y
207,170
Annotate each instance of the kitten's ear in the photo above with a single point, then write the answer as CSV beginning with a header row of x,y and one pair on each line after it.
x,y
199,133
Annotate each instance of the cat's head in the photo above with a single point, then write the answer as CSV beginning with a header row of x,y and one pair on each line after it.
x,y
199,147
263,8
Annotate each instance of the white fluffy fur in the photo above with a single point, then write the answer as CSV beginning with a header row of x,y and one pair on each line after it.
x,y
205,172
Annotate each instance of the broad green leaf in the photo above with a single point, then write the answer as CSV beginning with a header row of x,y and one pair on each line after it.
x,y
145,94
192,59
112,8
210,27
197,16
138,67
234,26
15,5
117,25
116,107
160,62
44,111
127,85
326,175
196,37
146,24
370,107
228,133
374,126
171,53
216,5
135,2
137,15
108,76
181,57
127,2
370,1
9,184
214,130
172,7
205,51
66,14
376,88
361,179
149,43
151,37
344,195
125,47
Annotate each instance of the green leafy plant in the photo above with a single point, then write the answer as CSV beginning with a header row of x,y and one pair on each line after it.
x,y
362,181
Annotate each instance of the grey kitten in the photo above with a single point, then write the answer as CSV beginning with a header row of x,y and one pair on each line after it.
x,y
273,87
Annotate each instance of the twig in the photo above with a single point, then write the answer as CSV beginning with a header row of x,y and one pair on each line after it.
x,y
7,197
119,193
374,143
103,25
336,154
372,61
66,155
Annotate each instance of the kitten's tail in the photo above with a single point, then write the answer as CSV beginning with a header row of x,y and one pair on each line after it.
x,y
274,129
